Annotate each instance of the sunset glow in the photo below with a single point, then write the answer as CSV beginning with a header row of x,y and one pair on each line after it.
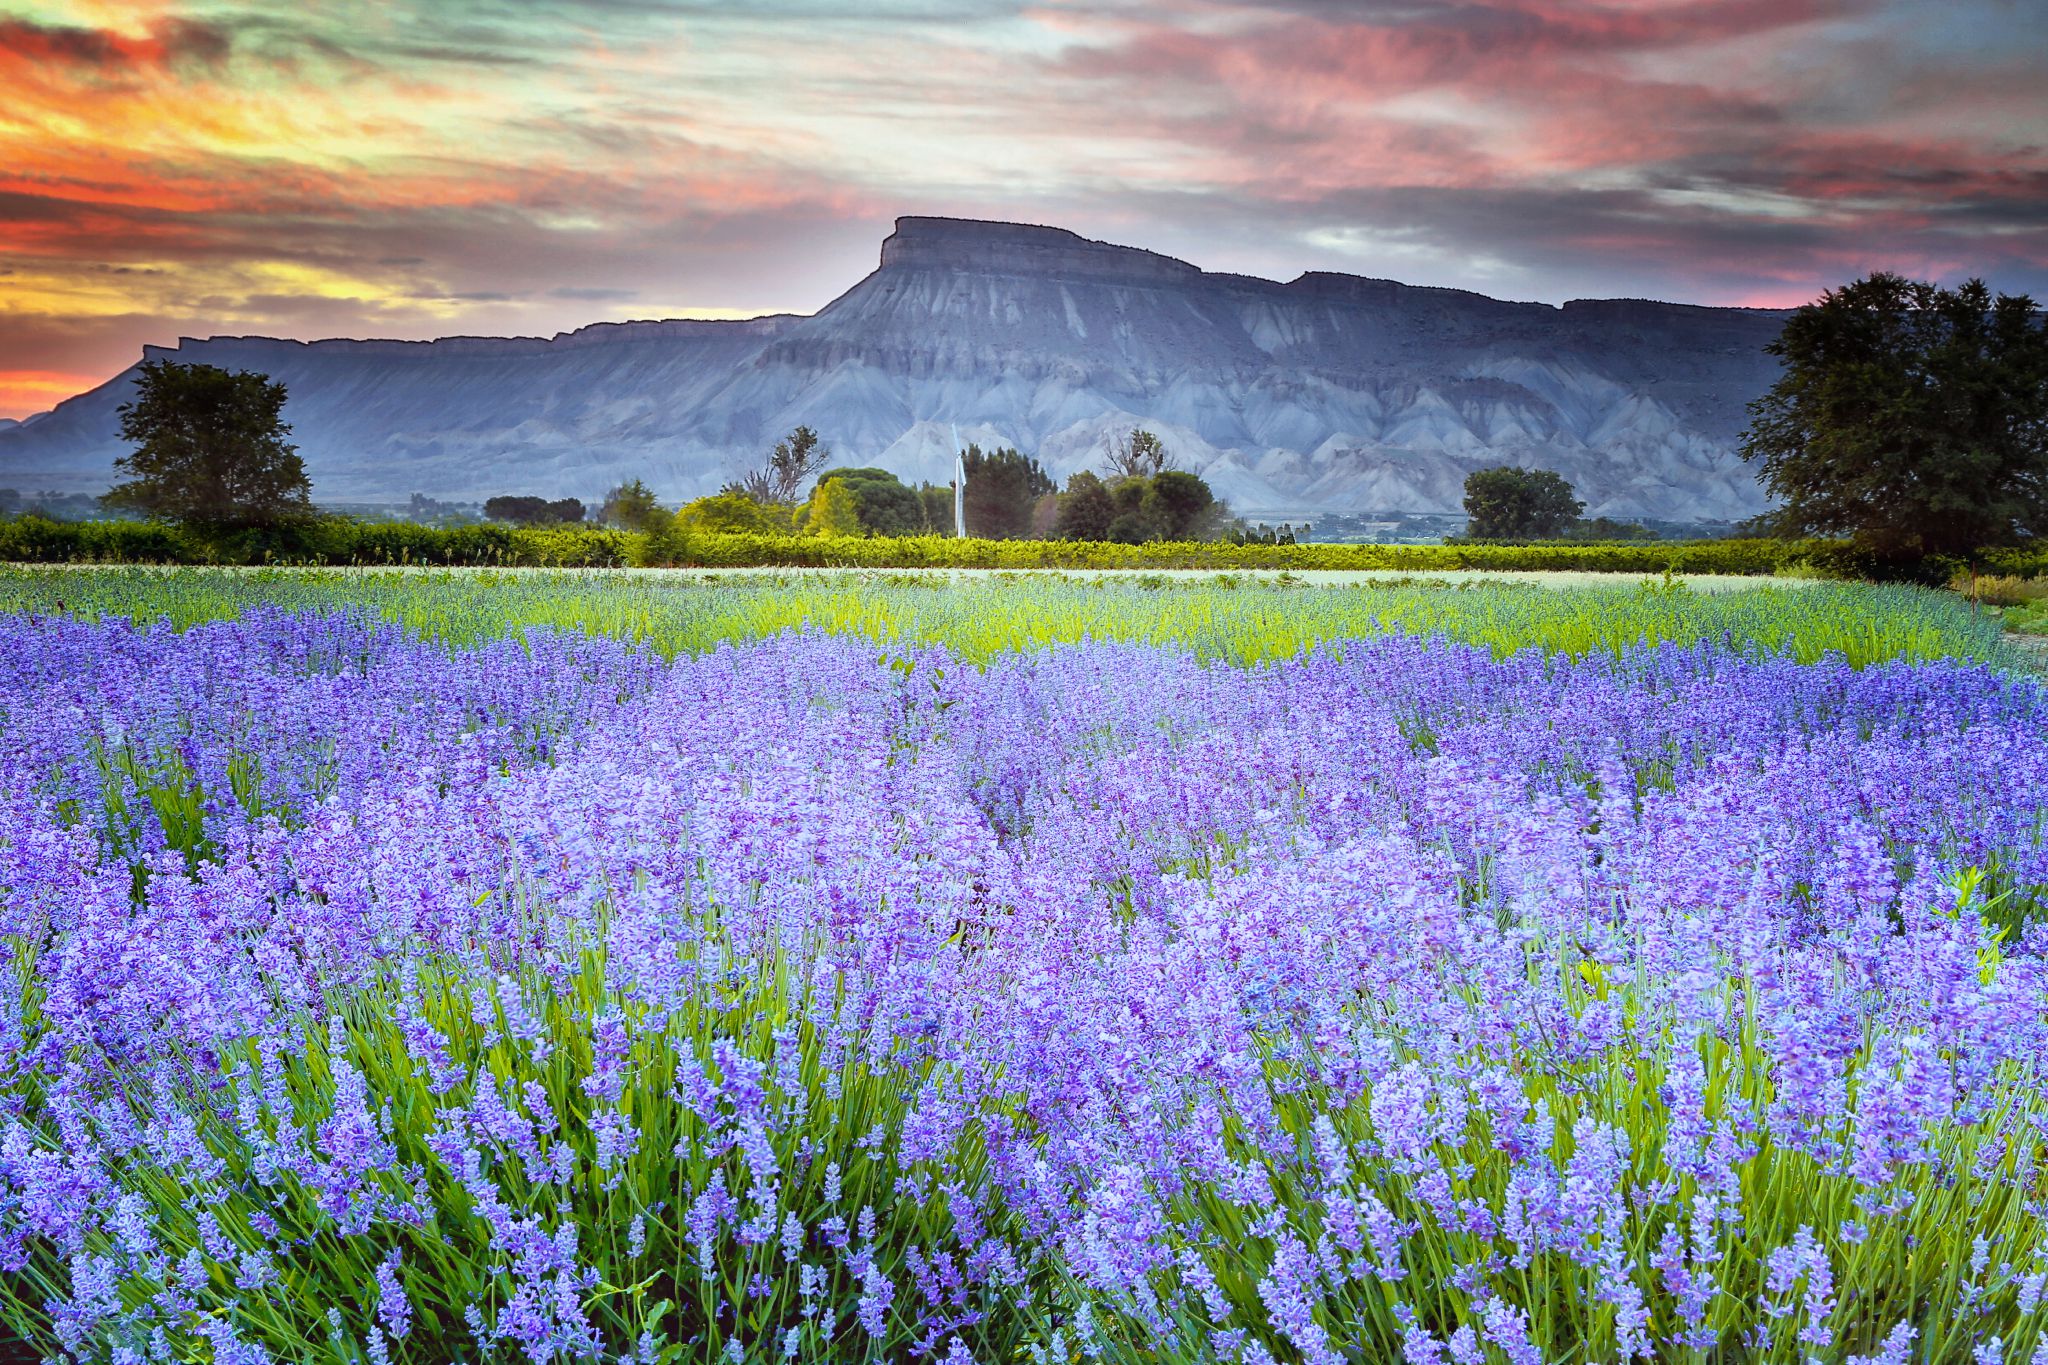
x,y
190,167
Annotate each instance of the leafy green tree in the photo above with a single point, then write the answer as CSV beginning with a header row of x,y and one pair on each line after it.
x,y
833,510
632,506
1174,505
1506,503
1182,498
210,450
732,514
1138,516
1003,488
1086,509
935,503
1911,417
888,506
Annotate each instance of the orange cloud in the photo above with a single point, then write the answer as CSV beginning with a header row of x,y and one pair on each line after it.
x,y
24,392
409,168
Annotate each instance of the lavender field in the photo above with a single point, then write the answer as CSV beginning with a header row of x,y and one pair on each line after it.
x,y
422,970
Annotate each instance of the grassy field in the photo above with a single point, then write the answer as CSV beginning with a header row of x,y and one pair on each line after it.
x,y
1240,617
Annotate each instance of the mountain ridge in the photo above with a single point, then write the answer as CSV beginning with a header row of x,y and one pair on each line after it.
x,y
1325,393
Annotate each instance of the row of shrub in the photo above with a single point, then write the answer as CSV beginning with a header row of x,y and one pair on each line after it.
x,y
341,542
326,541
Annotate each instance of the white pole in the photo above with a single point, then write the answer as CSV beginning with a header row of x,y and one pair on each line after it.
x,y
959,486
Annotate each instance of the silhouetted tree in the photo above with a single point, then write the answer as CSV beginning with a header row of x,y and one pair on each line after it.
x,y
1909,416
210,450
1506,503
522,510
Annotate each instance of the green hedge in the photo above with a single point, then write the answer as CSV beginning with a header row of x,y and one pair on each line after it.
x,y
338,541
329,541
1712,556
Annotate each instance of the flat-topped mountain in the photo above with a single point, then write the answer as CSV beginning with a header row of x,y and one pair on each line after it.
x,y
1328,393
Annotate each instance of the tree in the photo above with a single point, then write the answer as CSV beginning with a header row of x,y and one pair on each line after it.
x,y
935,504
1086,509
1174,505
1606,528
887,506
1240,532
1002,488
1911,417
776,483
210,450
633,507
833,510
1182,499
1135,454
1506,503
1138,516
732,514
526,510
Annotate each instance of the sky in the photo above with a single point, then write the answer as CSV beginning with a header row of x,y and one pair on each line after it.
x,y
313,168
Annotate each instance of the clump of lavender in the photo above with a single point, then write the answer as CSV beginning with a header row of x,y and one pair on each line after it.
x,y
805,1000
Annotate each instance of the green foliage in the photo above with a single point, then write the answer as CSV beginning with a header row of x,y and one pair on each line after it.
x,y
1182,499
1910,1261
1003,488
1139,518
1087,509
632,506
833,511
1133,510
1242,533
935,503
1505,503
2028,618
886,506
732,514
527,510
2000,590
210,450
1217,617
1911,417
1606,528
622,1208
340,541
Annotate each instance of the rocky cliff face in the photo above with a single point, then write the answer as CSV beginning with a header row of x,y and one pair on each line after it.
x,y
1327,393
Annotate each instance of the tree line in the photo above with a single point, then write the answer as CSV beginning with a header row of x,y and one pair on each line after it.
x,y
1908,417
1135,498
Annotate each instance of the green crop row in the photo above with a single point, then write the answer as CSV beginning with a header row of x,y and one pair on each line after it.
x,y
342,542
1224,617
